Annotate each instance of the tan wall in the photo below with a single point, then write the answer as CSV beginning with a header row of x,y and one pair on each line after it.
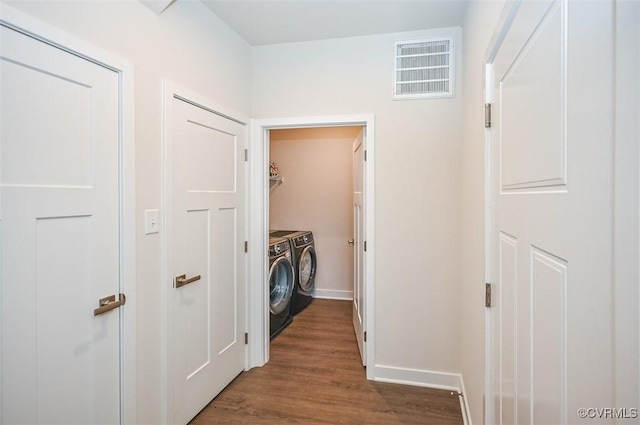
x,y
316,195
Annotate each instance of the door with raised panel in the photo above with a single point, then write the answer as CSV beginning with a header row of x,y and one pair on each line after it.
x,y
59,224
358,244
208,294
551,205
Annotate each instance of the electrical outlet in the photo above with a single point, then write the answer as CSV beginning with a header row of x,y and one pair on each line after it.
x,y
151,222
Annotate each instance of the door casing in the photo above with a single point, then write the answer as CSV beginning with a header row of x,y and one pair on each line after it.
x,y
41,31
258,322
358,316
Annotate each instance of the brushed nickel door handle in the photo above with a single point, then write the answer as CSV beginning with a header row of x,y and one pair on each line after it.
x,y
109,303
182,280
350,241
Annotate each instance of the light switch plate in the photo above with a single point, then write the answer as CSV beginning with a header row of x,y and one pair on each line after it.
x,y
151,222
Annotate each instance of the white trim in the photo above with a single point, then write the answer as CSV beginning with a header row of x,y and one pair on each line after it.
x,y
418,377
258,324
488,72
170,91
626,197
166,221
464,404
259,226
505,21
333,294
428,379
506,18
128,235
195,98
125,70
157,6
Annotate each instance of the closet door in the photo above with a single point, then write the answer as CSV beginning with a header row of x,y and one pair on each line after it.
x,y
59,193
207,242
552,190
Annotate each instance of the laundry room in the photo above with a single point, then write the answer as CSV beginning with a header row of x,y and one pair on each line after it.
x,y
311,189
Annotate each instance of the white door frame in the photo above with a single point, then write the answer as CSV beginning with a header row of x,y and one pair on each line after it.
x,y
170,91
505,21
259,227
39,30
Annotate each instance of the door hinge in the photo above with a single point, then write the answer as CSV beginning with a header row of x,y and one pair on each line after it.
x,y
365,336
365,155
246,155
246,246
487,115
487,295
246,338
365,246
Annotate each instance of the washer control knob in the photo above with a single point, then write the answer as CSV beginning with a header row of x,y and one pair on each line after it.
x,y
305,238
278,249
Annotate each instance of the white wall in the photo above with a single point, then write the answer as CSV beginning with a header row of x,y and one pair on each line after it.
x,y
317,195
189,45
480,21
417,183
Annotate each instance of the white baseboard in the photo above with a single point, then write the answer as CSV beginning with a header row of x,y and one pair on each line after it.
x,y
464,405
417,377
426,378
333,294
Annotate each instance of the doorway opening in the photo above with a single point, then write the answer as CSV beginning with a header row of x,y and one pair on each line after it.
x,y
283,133
313,191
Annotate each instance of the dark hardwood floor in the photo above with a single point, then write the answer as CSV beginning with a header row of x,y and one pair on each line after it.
x,y
315,376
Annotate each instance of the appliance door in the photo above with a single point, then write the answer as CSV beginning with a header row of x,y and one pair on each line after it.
x,y
307,269
281,281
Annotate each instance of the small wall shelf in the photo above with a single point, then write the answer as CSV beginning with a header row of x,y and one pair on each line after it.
x,y
274,182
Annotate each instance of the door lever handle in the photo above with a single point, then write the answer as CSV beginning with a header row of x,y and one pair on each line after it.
x,y
351,241
182,280
109,303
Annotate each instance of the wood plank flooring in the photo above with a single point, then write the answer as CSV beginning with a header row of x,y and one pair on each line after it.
x,y
315,376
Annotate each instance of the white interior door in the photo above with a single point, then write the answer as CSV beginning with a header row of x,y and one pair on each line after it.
x,y
552,144
59,168
208,249
358,245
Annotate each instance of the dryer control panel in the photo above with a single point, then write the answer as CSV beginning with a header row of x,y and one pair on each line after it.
x,y
278,248
302,240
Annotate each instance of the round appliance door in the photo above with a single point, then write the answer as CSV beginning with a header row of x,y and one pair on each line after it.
x,y
280,285
307,269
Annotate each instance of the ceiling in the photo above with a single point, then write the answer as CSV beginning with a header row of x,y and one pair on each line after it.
x,y
262,22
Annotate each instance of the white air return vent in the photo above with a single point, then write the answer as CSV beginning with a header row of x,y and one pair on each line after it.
x,y
424,68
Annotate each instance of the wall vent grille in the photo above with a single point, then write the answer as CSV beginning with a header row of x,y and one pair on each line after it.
x,y
424,68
